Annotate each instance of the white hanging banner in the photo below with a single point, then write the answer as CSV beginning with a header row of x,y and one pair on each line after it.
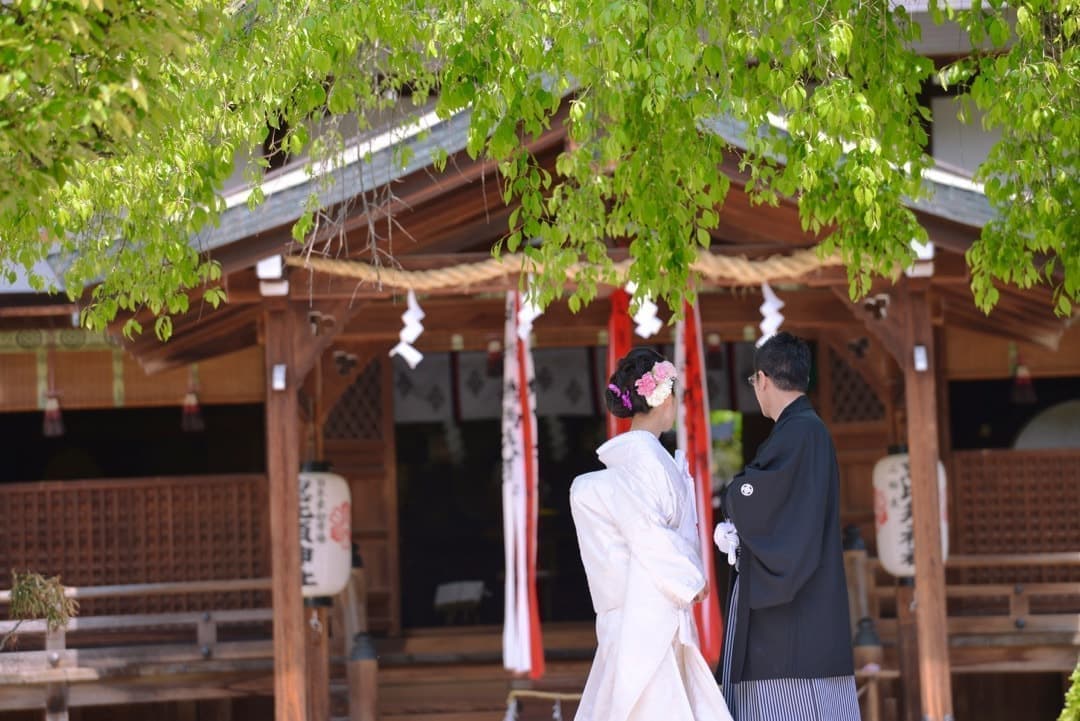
x,y
523,650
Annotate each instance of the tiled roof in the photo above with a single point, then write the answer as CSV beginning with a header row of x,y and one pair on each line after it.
x,y
350,180
948,195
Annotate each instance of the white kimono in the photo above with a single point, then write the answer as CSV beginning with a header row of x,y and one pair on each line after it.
x,y
637,530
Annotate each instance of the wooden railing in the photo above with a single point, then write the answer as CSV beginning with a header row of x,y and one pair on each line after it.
x,y
112,650
1002,626
45,666
117,532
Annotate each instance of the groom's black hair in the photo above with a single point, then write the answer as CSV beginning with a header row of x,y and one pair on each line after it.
x,y
786,360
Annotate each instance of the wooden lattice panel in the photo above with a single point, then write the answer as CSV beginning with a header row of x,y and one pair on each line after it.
x,y
358,414
853,400
1006,501
109,532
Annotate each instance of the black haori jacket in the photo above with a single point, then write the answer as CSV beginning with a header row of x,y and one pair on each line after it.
x,y
792,607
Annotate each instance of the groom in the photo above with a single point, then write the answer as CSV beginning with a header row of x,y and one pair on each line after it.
x,y
787,651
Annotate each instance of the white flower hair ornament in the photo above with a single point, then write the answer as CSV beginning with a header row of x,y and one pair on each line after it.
x,y
656,385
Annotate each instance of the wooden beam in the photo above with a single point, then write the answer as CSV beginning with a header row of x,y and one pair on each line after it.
x,y
885,320
1005,325
282,467
474,319
935,684
228,330
35,308
947,234
742,221
316,327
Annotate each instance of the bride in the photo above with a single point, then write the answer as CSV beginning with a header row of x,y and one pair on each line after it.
x,y
637,529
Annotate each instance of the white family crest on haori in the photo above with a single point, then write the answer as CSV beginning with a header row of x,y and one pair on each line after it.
x,y
522,644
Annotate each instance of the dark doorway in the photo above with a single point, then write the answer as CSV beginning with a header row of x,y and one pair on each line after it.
x,y
450,506
133,442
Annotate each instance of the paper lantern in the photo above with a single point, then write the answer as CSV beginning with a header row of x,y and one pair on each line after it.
x,y
325,533
893,516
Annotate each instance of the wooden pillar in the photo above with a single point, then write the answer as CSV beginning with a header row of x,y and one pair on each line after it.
x,y
362,666
318,659
907,647
922,430
56,694
282,469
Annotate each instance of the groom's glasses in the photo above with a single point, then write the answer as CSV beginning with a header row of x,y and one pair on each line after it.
x,y
752,379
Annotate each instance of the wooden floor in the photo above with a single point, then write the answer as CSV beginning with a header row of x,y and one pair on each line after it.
x,y
470,692
456,675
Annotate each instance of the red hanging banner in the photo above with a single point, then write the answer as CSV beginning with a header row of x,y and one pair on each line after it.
x,y
532,500
695,440
619,339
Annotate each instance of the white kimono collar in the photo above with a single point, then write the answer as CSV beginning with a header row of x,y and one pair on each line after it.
x,y
632,447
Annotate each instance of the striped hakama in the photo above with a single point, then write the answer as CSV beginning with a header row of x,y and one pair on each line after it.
x,y
786,699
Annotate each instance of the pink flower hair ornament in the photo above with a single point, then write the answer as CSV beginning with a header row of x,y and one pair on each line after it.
x,y
656,385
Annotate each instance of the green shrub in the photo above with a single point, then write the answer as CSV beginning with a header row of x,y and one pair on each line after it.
x,y
1071,712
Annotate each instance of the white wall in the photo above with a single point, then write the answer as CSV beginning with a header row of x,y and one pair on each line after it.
x,y
961,145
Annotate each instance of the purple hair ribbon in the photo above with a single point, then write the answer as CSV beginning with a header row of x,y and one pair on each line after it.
x,y
624,396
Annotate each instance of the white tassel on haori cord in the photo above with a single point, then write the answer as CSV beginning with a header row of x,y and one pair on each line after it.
x,y
511,710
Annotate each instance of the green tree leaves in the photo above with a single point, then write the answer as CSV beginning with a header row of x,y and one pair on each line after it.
x,y
123,120
1028,87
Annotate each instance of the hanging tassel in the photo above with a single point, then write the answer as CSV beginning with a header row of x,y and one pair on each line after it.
x,y
511,710
53,426
556,438
455,443
556,711
714,352
191,420
1023,392
53,423
494,366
